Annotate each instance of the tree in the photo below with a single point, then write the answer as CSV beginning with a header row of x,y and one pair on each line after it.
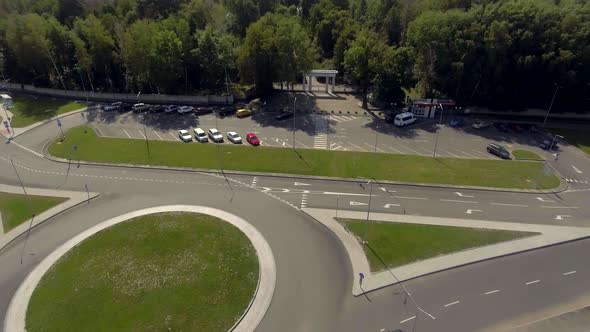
x,y
135,43
395,73
242,13
363,59
165,60
276,48
215,55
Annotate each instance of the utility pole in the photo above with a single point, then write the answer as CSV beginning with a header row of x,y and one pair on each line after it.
x,y
438,132
30,209
551,105
294,100
370,183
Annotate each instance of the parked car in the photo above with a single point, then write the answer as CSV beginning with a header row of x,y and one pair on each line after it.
x,y
112,107
501,127
404,119
517,128
200,135
203,110
215,135
156,108
456,123
286,113
233,137
125,107
224,111
185,136
140,107
252,139
549,144
498,150
244,112
170,108
480,125
185,109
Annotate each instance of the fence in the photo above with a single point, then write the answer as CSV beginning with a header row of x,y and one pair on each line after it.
x,y
102,96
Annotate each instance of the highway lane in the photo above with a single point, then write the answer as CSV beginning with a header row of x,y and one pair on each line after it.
x,y
314,275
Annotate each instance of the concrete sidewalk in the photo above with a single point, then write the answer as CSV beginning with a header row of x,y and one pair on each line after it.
x,y
550,235
75,198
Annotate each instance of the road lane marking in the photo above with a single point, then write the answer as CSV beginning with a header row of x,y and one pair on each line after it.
x,y
142,135
545,200
559,207
353,203
469,211
506,204
576,169
27,149
568,273
301,184
532,282
452,303
387,206
491,292
463,195
409,197
126,133
561,216
160,137
407,320
457,201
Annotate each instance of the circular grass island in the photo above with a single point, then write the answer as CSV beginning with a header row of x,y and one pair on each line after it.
x,y
174,271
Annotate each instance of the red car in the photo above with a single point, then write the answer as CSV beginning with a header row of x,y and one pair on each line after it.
x,y
252,139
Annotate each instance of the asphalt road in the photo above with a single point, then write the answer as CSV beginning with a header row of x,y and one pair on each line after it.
x,y
314,276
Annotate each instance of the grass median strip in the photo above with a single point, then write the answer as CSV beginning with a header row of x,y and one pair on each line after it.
x,y
393,244
526,155
348,164
15,209
161,272
28,110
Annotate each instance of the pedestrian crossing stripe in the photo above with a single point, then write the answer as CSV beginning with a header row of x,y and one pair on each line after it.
x,y
576,181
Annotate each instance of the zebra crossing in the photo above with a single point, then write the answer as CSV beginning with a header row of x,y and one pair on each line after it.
x,y
577,181
342,118
320,140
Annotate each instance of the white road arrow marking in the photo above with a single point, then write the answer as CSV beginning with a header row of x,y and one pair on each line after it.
x,y
462,195
471,211
387,190
576,169
357,203
301,184
545,200
561,216
387,206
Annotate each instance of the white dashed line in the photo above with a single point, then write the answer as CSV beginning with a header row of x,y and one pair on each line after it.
x,y
506,204
406,197
568,273
407,319
491,292
559,207
126,133
457,201
532,282
452,303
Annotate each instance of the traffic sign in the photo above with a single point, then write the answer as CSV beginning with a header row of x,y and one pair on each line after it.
x,y
58,123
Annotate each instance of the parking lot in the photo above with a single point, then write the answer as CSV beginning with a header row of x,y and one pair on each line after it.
x,y
337,132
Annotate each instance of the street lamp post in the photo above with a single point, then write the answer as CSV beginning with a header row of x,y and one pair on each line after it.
x,y
550,105
437,132
553,141
294,100
370,183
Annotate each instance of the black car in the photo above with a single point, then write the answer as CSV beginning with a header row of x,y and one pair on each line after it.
x,y
498,150
125,107
156,108
501,127
224,111
284,115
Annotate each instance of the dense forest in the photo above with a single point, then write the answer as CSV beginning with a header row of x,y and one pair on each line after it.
x,y
501,54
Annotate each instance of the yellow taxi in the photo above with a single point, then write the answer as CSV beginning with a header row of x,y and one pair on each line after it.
x,y
244,112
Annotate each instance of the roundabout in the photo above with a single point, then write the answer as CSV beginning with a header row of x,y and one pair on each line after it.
x,y
168,267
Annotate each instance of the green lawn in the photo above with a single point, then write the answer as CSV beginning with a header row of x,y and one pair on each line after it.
x,y
395,244
407,168
28,110
579,138
15,209
161,272
526,154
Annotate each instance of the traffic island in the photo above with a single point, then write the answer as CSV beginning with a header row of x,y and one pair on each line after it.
x,y
15,209
82,144
171,268
526,155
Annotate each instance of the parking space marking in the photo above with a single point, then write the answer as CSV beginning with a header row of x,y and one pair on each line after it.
x,y
160,137
99,131
470,155
142,135
452,154
416,152
126,133
395,150
372,147
305,146
357,147
176,138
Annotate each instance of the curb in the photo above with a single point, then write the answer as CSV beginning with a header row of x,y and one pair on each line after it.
x,y
248,321
40,123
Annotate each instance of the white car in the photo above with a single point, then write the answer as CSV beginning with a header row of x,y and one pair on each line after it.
x,y
185,135
234,137
170,108
185,109
215,135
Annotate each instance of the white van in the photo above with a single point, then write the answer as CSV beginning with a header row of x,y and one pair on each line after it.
x,y
201,135
403,119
